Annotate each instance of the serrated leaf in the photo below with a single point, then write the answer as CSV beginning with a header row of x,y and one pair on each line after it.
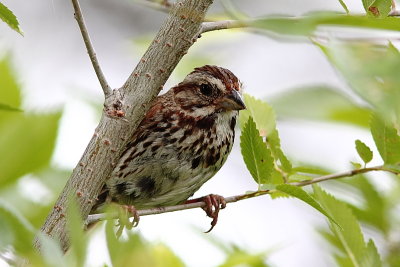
x,y
363,151
371,256
279,194
276,177
275,146
377,8
375,209
256,155
263,115
8,17
76,234
386,139
299,193
349,234
320,103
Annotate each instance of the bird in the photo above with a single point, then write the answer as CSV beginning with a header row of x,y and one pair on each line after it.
x,y
182,142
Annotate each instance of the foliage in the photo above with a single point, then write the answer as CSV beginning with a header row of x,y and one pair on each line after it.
x,y
364,151
256,155
8,17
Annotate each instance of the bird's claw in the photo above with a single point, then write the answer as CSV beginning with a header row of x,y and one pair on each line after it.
x,y
125,212
214,203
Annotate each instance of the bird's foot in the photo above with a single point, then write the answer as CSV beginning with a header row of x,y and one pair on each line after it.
x,y
214,203
125,212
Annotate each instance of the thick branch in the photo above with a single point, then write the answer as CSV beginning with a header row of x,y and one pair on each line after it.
x,y
92,54
124,109
99,217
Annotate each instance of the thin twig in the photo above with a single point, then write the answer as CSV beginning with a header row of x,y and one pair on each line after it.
x,y
99,217
222,25
102,216
92,54
341,175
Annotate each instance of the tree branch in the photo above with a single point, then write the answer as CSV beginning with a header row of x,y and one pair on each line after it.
x,y
92,54
123,111
223,25
99,217
341,175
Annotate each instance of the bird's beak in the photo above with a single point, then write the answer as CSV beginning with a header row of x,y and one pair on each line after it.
x,y
232,101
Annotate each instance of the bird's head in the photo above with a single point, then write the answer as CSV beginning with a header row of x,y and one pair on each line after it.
x,y
208,90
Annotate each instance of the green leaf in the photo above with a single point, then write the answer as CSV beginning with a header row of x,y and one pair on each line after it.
x,y
371,256
311,170
112,242
9,89
243,258
15,230
356,165
262,113
8,107
386,139
8,17
320,103
343,4
28,141
377,8
299,177
134,251
256,155
349,234
299,193
306,25
375,210
370,70
275,146
363,151
76,234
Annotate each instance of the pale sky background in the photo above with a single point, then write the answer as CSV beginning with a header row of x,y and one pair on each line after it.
x,y
54,69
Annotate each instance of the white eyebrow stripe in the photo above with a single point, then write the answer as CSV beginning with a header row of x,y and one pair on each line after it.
x,y
201,78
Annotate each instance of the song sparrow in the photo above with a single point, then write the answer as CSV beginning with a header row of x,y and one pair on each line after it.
x,y
182,142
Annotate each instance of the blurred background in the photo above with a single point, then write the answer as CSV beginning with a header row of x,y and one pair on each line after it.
x,y
54,74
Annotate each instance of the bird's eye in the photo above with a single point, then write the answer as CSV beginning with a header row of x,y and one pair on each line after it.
x,y
206,89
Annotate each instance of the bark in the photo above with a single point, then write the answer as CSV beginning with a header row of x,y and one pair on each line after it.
x,y
123,111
